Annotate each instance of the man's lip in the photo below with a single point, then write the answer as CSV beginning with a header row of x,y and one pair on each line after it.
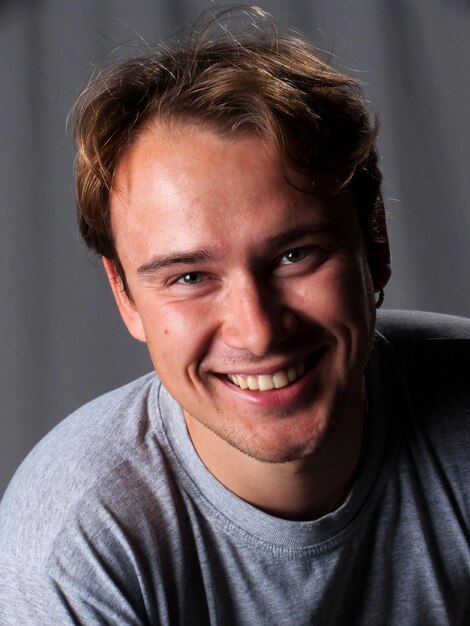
x,y
271,369
270,379
266,382
283,397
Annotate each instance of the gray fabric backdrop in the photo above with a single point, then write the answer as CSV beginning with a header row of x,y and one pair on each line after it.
x,y
61,340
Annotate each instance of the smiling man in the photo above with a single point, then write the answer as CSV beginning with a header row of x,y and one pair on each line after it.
x,y
254,294
288,464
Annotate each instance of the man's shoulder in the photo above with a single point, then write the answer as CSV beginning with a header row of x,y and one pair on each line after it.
x,y
92,513
432,352
410,327
429,346
76,456
103,429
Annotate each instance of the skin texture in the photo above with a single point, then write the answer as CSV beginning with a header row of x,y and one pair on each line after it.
x,y
232,270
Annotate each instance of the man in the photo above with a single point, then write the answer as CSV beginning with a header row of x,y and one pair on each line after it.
x,y
289,465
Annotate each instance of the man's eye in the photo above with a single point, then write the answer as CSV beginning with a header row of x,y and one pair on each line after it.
x,y
294,256
191,278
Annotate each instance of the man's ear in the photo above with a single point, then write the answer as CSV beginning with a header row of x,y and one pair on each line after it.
x,y
126,306
379,250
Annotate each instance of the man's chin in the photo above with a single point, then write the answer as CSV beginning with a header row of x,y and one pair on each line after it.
x,y
281,447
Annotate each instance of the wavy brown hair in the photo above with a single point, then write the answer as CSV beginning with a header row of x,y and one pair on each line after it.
x,y
262,82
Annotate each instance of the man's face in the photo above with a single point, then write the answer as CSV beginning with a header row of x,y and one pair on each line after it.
x,y
254,297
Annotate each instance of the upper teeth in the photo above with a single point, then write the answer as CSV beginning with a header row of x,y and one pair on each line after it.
x,y
264,382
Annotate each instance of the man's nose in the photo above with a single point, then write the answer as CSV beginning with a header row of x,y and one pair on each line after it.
x,y
255,319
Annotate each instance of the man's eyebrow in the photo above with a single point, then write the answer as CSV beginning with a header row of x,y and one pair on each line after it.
x,y
297,232
159,262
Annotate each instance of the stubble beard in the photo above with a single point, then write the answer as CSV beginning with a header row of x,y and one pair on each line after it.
x,y
323,429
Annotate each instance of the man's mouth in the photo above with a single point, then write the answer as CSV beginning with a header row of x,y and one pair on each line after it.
x,y
266,382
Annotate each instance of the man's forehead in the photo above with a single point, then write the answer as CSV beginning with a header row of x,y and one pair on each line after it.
x,y
173,153
199,174
157,140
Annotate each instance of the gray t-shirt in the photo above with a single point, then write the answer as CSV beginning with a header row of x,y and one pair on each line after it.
x,y
113,519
